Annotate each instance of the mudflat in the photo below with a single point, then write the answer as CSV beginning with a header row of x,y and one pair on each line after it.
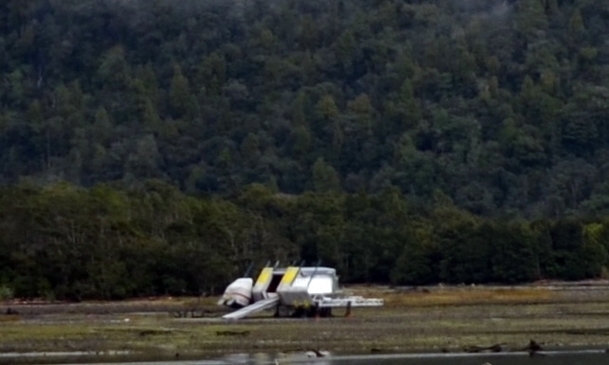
x,y
427,319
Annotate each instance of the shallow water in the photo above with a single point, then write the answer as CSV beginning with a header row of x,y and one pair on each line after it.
x,y
590,357
549,359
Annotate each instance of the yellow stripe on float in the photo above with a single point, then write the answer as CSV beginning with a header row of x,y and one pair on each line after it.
x,y
265,276
289,276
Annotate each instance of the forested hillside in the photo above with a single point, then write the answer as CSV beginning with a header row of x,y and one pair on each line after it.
x,y
496,109
502,105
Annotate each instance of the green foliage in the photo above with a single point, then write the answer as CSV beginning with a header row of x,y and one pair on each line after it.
x,y
6,293
391,139
325,178
65,242
212,99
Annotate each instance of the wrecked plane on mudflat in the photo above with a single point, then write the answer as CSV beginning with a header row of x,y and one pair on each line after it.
x,y
296,291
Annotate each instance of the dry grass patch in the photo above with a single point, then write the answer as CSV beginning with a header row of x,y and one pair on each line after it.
x,y
460,296
9,318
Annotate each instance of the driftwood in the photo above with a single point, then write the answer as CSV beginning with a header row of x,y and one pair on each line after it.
x,y
232,333
474,349
191,313
532,348
152,332
317,353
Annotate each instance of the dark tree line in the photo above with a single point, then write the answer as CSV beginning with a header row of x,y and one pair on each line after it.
x,y
66,242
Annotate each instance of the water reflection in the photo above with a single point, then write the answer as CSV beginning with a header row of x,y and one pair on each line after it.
x,y
589,357
279,359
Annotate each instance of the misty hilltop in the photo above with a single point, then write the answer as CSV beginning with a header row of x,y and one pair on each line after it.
x,y
503,106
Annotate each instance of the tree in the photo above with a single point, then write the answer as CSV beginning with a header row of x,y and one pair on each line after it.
x,y
181,100
325,178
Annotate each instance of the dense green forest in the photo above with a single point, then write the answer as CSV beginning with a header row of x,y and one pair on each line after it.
x,y
411,141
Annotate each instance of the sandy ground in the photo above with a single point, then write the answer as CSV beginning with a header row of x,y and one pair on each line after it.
x,y
431,319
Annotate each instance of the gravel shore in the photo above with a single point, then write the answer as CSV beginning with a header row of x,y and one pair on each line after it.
x,y
431,319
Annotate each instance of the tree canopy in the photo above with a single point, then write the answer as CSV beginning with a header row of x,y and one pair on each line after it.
x,y
499,104
337,129
67,242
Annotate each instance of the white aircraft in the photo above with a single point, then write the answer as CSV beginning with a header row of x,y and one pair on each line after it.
x,y
300,290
